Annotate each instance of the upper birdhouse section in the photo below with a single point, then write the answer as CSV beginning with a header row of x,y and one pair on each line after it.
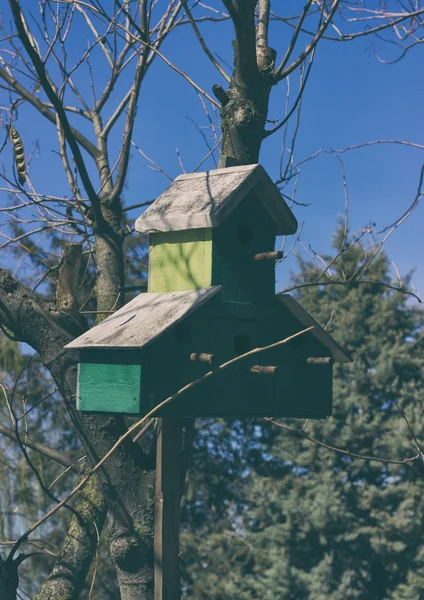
x,y
217,228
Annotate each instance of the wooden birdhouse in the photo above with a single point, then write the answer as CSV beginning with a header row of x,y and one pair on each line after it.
x,y
206,229
211,297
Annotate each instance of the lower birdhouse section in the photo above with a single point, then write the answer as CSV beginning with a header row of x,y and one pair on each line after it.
x,y
287,380
275,382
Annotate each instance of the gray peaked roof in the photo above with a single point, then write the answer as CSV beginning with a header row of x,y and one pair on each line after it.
x,y
148,316
205,199
336,351
144,319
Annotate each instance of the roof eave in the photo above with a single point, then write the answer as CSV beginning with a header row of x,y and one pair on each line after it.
x,y
102,336
284,220
337,352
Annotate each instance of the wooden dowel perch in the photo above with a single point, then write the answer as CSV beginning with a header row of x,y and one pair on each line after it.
x,y
269,255
263,370
202,357
320,360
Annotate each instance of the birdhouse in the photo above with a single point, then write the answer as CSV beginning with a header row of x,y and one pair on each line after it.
x,y
211,297
206,229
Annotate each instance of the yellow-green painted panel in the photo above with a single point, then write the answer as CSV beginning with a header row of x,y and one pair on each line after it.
x,y
180,260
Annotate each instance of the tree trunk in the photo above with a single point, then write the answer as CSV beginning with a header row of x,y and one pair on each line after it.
x,y
79,547
245,104
243,119
9,579
127,479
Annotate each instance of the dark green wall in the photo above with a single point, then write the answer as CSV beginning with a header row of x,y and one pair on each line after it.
x,y
247,231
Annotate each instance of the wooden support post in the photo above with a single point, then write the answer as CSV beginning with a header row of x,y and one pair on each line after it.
x,y
167,509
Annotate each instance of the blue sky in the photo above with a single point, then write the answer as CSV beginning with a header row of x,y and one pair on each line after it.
x,y
351,98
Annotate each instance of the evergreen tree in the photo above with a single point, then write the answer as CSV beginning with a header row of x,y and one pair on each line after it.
x,y
315,524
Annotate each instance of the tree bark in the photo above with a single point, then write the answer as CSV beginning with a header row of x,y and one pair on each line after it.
x,y
245,109
66,580
127,479
9,578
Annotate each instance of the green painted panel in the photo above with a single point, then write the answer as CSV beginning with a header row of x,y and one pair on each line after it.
x,y
236,391
301,390
170,368
231,392
109,387
247,231
180,260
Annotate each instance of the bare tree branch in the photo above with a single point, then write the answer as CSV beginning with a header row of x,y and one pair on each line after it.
x,y
44,81
41,449
354,283
406,461
46,112
283,71
141,422
202,42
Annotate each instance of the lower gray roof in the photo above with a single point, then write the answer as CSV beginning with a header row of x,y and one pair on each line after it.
x,y
143,319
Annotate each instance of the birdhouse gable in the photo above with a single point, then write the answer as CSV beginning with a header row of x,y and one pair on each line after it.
x,y
247,232
318,332
204,200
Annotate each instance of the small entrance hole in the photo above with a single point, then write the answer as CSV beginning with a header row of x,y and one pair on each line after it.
x,y
245,234
242,344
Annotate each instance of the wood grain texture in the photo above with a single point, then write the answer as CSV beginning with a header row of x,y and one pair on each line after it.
x,y
169,467
199,200
109,387
246,232
144,319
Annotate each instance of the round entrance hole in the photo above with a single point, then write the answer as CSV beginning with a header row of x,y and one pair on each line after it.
x,y
242,344
183,334
245,234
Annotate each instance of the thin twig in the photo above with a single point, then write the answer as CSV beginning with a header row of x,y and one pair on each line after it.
x,y
402,290
301,433
202,42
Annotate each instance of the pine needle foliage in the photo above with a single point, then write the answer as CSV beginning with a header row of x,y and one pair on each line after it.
x,y
304,522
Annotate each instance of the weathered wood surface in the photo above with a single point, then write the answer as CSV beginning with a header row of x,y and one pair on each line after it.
x,y
198,200
144,319
263,369
320,360
169,480
104,386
